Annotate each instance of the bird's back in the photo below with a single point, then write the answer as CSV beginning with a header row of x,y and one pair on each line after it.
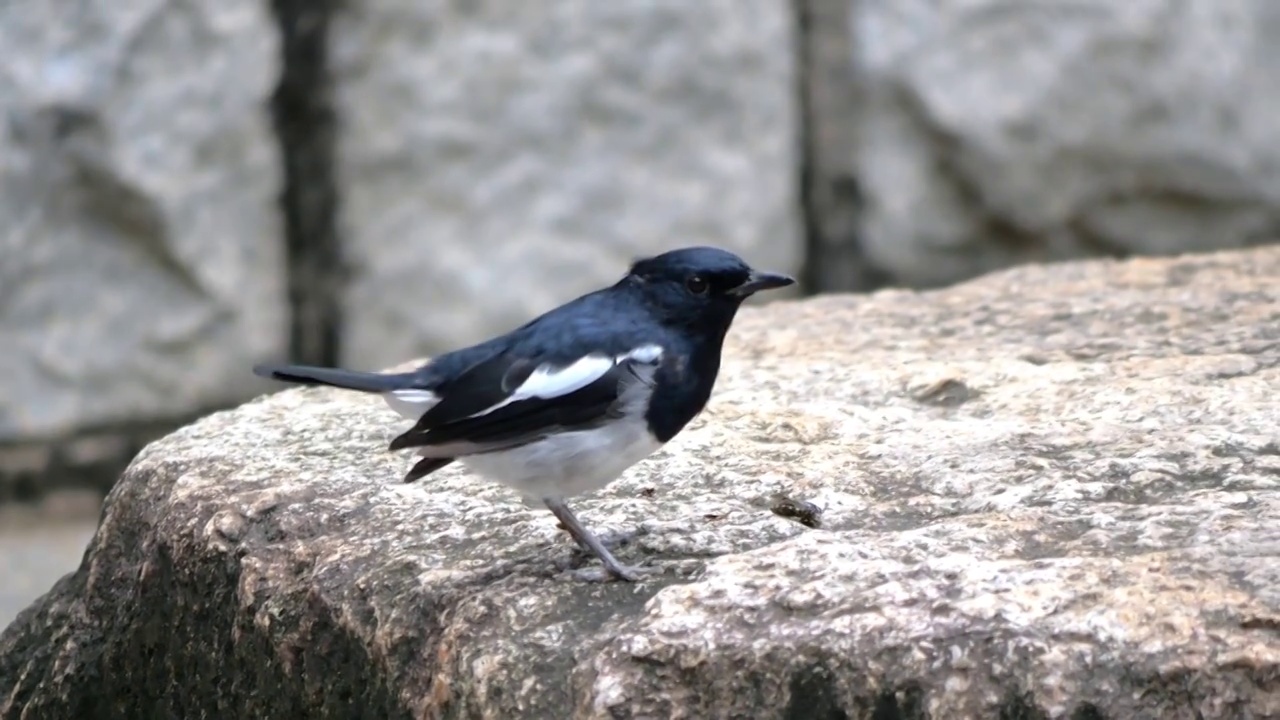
x,y
610,321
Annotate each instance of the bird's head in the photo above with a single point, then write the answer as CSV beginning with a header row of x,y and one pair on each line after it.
x,y
700,286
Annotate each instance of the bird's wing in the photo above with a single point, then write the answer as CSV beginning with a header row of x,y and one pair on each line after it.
x,y
509,400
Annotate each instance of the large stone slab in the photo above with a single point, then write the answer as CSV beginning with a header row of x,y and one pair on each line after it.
x,y
497,158
1049,493
141,267
992,132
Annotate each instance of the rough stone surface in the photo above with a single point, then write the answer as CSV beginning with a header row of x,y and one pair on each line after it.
x,y
140,263
1053,492
993,132
512,155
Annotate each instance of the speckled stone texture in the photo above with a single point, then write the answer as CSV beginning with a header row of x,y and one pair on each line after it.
x,y
139,264
984,133
1052,492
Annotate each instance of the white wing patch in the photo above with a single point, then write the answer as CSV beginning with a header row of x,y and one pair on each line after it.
x,y
549,382
411,403
647,354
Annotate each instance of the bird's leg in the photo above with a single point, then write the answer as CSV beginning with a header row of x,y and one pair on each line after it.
x,y
590,542
582,545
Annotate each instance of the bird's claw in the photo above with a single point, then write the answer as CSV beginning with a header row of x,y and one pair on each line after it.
x,y
611,541
616,573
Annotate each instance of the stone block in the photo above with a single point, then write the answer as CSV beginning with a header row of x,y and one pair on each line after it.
x,y
498,159
141,266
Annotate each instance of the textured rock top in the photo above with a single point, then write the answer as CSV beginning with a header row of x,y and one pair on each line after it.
x,y
1049,492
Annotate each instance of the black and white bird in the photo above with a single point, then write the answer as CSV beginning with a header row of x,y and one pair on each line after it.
x,y
562,405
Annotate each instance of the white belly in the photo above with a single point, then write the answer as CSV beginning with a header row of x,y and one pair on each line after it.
x,y
570,463
411,403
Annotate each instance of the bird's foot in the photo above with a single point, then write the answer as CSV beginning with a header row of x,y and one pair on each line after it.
x,y
615,573
610,568
612,541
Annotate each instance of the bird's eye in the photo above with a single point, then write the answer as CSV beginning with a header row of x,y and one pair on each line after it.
x,y
696,284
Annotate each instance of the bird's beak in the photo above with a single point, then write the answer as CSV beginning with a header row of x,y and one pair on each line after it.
x,y
758,281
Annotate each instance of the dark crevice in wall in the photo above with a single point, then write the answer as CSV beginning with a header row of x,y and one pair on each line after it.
x,y
830,197
306,129
810,279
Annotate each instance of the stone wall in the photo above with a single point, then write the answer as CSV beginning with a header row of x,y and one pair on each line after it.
x,y
186,190
952,137
140,264
507,156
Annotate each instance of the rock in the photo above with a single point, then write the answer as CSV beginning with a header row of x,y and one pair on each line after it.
x,y
1050,493
992,133
141,270
488,148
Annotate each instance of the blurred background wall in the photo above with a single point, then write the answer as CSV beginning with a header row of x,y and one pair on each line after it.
x,y
189,187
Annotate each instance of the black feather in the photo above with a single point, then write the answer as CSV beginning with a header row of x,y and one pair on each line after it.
x,y
479,387
526,420
654,304
425,467
334,377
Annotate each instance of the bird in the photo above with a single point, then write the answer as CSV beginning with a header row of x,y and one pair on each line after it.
x,y
564,404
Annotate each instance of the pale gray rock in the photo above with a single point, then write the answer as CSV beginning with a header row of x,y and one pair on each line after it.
x,y
141,267
991,132
498,158
1053,492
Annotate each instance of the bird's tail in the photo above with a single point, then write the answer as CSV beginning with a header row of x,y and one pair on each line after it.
x,y
333,377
